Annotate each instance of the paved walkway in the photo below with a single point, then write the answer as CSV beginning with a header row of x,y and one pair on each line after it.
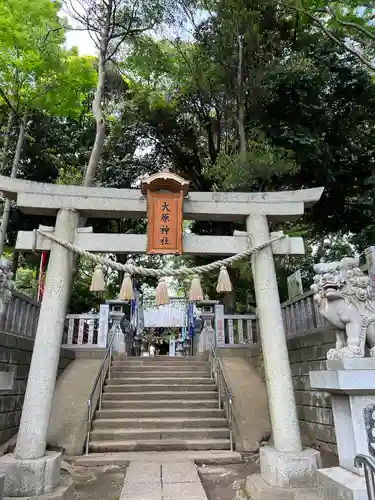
x,y
162,481
124,458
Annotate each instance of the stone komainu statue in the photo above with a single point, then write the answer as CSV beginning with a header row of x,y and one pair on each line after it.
x,y
346,299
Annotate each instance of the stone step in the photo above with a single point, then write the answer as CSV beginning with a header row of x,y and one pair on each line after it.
x,y
171,396
148,373
152,434
156,404
181,422
156,359
160,412
158,388
148,362
167,381
159,366
159,445
123,458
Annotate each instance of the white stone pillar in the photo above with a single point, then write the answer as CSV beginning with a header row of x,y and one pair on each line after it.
x,y
284,419
285,464
32,435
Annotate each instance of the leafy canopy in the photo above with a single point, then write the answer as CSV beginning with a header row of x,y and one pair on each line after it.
x,y
35,71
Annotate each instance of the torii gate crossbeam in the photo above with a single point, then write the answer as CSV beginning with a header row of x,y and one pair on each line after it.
x,y
48,199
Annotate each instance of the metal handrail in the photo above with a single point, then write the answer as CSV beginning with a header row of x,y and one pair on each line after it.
x,y
105,367
368,463
222,386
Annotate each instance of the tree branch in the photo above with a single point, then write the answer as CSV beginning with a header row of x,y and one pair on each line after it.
x,y
54,30
351,24
75,14
113,20
330,35
7,101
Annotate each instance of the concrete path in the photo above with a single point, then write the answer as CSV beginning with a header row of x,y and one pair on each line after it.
x,y
250,406
124,458
162,481
68,426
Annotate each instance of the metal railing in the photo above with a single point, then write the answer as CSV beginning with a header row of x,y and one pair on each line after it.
x,y
225,395
105,368
368,463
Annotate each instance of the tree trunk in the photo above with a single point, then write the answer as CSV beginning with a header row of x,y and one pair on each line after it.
x,y
229,302
97,148
240,99
15,263
16,160
97,110
4,152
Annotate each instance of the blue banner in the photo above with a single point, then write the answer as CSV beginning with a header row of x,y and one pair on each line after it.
x,y
133,303
191,319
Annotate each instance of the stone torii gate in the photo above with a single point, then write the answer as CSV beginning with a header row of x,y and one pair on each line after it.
x,y
32,471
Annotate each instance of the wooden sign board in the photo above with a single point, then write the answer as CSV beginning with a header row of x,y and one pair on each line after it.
x,y
164,228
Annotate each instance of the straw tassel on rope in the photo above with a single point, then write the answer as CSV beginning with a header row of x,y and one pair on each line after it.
x,y
161,293
224,284
97,281
126,290
195,292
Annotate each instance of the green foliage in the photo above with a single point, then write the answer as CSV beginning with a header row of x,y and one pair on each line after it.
x,y
152,63
29,41
26,281
262,164
35,71
348,23
69,176
67,94
308,118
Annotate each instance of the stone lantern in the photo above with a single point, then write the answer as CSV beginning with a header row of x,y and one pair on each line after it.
x,y
116,314
207,335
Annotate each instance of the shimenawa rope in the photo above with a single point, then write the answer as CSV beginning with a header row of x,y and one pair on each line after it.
x,y
156,273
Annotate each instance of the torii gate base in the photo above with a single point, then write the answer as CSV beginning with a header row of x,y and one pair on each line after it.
x,y
32,471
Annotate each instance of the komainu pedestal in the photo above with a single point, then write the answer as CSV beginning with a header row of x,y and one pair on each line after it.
x,y
351,383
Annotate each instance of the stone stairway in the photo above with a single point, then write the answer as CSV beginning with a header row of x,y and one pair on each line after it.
x,y
159,404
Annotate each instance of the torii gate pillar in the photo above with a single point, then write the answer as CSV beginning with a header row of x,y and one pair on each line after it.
x,y
31,470
285,464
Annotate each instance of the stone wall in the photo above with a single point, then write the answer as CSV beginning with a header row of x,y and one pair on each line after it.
x,y
15,357
308,353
